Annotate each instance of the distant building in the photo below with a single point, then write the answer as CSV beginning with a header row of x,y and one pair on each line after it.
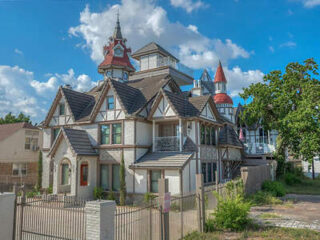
x,y
19,152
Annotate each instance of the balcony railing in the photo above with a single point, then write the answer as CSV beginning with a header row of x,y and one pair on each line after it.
x,y
179,66
259,148
167,144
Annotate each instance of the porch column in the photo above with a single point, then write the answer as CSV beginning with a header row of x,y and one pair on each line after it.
x,y
153,136
180,134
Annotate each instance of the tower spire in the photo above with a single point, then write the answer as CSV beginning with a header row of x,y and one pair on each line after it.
x,y
117,30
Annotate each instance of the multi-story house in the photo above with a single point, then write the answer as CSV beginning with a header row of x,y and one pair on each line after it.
x,y
140,116
19,153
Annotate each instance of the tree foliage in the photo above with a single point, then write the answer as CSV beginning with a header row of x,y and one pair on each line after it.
x,y
123,190
289,102
9,118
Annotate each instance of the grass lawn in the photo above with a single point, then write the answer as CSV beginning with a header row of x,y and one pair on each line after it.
x,y
307,186
258,233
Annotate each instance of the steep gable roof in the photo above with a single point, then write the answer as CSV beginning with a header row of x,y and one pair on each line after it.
x,y
6,130
77,140
227,136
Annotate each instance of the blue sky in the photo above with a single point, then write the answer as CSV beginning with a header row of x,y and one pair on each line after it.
x,y
45,44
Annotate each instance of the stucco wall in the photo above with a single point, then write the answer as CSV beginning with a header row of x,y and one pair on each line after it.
x,y
208,153
140,181
307,170
86,192
6,215
45,169
186,179
174,181
92,131
129,132
144,133
12,149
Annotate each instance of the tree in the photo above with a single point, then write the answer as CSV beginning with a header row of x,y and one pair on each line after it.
x,y
9,118
123,190
289,102
39,181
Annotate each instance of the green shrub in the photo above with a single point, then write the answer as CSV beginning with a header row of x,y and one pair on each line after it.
x,y
291,179
50,189
209,225
98,193
274,187
263,198
111,196
231,213
148,197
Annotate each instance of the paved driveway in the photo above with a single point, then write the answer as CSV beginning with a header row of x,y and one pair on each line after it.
x,y
304,212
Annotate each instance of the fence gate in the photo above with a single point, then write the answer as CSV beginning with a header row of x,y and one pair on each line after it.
x,y
137,223
50,217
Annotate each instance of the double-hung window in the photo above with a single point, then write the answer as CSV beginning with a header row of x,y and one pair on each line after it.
x,y
27,144
19,169
155,175
111,133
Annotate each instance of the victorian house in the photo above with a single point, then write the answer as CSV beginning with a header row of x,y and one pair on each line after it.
x,y
143,117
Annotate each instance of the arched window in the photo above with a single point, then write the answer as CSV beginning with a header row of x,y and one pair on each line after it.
x,y
65,172
84,172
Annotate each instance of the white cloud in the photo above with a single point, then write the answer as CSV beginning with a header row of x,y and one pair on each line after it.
x,y
188,5
238,79
310,3
288,44
152,24
17,51
271,49
20,92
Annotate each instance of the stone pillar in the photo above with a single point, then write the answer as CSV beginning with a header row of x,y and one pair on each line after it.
x,y
100,217
7,201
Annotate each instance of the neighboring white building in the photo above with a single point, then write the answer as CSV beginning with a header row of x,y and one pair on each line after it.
x,y
143,117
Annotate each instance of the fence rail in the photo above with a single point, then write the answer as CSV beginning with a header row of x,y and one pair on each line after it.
x,y
50,217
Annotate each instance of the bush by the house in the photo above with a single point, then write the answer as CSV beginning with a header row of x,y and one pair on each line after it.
x,y
274,187
97,193
111,196
232,213
291,179
263,198
148,197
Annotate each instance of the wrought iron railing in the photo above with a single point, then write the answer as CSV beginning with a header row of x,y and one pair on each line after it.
x,y
163,144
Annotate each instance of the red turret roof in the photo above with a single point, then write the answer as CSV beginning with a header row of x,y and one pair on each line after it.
x,y
220,77
111,60
222,98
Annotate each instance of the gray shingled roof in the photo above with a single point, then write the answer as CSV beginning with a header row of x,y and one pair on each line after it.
x,y
151,48
163,160
227,136
78,141
81,104
189,146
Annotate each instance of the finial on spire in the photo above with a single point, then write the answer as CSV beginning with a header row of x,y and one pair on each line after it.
x,y
117,30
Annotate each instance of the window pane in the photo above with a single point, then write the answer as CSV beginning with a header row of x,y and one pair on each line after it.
x,y
116,133
15,169
61,109
27,144
209,172
104,176
202,135
204,172
155,175
214,169
115,177
105,134
110,103
55,133
208,135
23,169
84,175
213,136
65,174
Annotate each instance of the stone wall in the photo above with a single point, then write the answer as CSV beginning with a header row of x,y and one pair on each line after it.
x,y
254,176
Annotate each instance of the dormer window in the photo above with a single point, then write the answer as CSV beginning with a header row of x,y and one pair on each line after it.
x,y
61,109
118,52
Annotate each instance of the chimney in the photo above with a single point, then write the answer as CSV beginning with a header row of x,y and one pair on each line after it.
x,y
197,89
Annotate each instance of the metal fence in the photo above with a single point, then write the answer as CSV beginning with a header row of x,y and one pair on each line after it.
x,y
139,223
50,217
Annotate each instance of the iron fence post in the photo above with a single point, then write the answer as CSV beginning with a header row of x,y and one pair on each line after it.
x,y
23,199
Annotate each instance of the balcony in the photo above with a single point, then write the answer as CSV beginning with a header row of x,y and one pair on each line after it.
x,y
164,62
167,144
259,148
